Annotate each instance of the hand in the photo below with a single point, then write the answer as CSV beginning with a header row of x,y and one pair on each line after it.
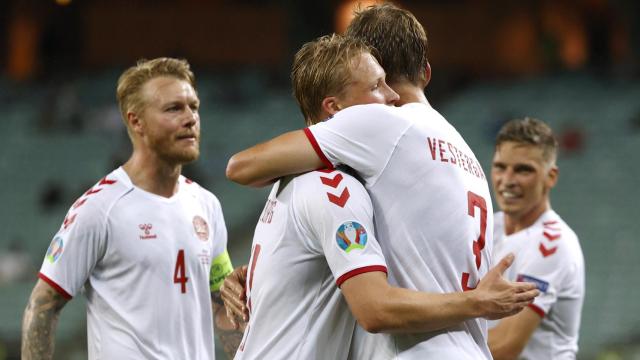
x,y
234,296
499,297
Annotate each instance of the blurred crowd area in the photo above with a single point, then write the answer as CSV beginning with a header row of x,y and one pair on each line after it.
x,y
574,64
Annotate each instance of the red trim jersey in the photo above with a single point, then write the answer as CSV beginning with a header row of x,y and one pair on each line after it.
x,y
144,263
315,232
432,212
548,254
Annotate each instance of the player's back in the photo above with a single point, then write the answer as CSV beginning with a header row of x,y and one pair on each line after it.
x,y
298,262
433,210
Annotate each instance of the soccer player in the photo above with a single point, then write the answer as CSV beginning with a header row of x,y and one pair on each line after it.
x,y
429,194
315,240
147,244
547,251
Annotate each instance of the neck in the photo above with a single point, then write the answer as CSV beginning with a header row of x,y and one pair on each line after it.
x,y
514,223
153,174
409,92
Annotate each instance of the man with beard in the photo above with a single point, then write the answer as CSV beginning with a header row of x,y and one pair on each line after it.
x,y
147,244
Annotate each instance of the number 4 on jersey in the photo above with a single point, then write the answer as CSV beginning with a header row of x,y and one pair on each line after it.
x,y
179,274
476,201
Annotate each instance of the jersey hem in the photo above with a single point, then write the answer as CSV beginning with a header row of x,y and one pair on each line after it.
x,y
359,271
537,310
57,287
316,147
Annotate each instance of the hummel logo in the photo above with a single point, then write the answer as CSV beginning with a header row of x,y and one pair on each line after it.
x,y
147,232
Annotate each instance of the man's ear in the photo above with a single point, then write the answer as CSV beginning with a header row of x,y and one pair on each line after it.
x,y
552,177
427,74
134,123
330,105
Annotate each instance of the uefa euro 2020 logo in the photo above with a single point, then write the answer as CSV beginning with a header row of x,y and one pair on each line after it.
x,y
55,249
351,235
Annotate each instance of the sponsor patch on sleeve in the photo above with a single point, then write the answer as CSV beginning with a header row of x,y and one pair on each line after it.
x,y
55,249
220,268
541,284
351,235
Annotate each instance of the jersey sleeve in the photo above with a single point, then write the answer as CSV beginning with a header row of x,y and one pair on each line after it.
x,y
221,265
550,275
75,249
362,137
339,224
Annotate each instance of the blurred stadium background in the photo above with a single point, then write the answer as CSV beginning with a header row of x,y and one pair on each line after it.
x,y
572,63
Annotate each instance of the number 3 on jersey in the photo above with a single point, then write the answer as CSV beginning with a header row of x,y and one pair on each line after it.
x,y
476,201
179,273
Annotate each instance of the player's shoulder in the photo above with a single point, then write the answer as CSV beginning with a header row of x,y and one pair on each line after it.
x,y
93,206
552,227
374,114
197,190
328,178
332,187
555,240
105,191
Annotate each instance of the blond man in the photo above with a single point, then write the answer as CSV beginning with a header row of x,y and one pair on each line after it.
x,y
315,231
147,244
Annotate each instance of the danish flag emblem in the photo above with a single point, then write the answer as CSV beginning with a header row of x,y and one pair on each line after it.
x,y
338,199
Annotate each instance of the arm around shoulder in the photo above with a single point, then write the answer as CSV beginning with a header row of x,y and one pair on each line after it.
x,y
260,165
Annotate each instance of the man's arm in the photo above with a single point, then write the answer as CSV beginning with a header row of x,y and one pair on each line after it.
x,y
229,333
40,320
379,307
287,154
511,335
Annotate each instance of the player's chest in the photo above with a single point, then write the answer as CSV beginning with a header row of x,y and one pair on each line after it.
x,y
150,233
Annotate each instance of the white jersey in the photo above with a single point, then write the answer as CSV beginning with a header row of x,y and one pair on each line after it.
x,y
548,254
432,212
315,232
144,261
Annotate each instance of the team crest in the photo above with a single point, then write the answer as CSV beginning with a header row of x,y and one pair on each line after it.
x,y
55,249
201,228
351,235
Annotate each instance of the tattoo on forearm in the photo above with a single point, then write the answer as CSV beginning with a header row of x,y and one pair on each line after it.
x,y
39,322
230,338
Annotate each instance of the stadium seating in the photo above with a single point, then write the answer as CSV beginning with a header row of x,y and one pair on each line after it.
x,y
597,193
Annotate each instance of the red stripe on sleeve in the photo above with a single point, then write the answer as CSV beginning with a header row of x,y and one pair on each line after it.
x,y
537,310
57,287
359,271
316,147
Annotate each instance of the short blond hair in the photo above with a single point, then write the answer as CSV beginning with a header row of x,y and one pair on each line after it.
x,y
322,68
130,83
